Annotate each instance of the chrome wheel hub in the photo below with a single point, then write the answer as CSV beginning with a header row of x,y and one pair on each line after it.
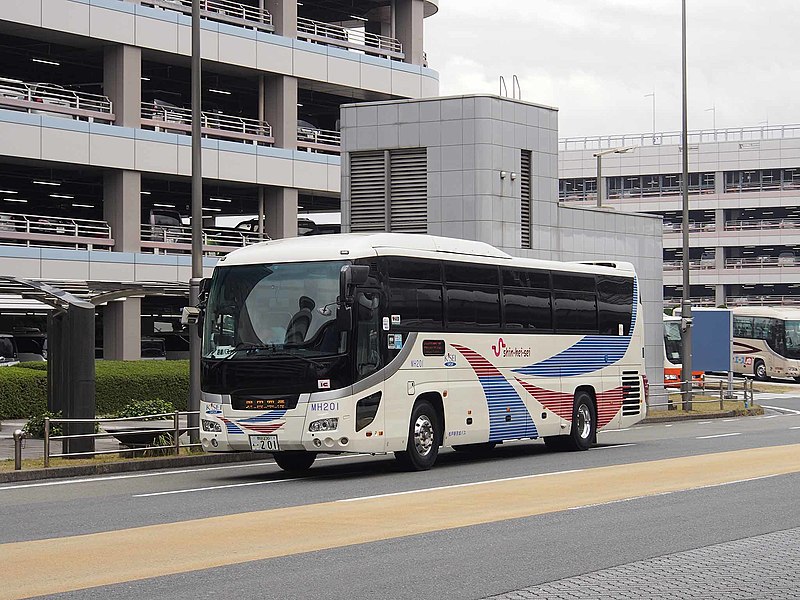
x,y
584,421
423,435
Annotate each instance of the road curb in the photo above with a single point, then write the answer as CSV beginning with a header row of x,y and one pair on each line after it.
x,y
144,464
748,412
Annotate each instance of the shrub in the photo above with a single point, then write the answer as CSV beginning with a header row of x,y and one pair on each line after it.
x,y
36,366
23,390
35,426
140,408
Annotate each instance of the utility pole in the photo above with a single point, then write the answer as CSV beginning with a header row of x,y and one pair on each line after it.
x,y
193,420
686,308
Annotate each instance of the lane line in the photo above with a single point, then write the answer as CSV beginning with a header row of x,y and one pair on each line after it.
x,y
789,411
457,485
249,465
217,487
794,427
612,447
50,566
729,420
703,422
771,416
719,435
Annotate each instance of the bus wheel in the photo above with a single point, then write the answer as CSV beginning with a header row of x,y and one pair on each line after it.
x,y
760,370
584,423
424,439
295,462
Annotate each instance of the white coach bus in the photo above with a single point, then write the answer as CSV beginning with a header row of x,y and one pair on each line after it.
x,y
378,343
766,341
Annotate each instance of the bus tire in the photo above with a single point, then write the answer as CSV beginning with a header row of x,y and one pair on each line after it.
x,y
760,370
295,462
584,423
424,439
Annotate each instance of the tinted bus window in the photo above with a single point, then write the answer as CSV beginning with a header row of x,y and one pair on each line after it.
x,y
411,268
573,282
614,303
469,308
419,305
472,274
529,310
576,312
743,327
520,278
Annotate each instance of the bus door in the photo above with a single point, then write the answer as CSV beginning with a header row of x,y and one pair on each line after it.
x,y
370,358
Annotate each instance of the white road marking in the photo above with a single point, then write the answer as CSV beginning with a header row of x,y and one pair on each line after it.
x,y
789,411
703,422
729,420
670,425
249,465
794,427
770,416
458,485
719,435
215,487
701,487
614,446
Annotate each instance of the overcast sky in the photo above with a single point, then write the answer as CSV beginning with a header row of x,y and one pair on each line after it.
x,y
596,59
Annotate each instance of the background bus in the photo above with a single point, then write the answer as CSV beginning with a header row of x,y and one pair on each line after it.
x,y
766,342
673,353
401,343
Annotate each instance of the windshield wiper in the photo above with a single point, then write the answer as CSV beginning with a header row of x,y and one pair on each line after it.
x,y
242,347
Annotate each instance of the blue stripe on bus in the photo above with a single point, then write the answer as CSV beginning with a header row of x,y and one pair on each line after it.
x,y
503,400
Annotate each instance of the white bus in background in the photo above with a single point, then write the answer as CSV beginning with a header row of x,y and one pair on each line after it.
x,y
378,343
673,355
766,342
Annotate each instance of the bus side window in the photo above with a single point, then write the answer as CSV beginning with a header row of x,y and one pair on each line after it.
x,y
368,347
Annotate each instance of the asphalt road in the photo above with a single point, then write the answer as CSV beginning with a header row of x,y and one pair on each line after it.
x,y
485,551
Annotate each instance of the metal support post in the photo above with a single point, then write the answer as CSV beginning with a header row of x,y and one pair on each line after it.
x,y
686,305
18,435
599,183
197,226
720,396
177,433
47,442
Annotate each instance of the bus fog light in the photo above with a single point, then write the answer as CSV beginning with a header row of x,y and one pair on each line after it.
x,y
317,442
329,442
344,441
329,424
210,425
214,442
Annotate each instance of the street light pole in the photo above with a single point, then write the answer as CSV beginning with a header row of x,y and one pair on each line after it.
x,y
653,95
686,309
599,156
193,420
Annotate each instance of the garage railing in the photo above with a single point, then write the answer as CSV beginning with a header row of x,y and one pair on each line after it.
x,y
319,140
223,11
167,239
39,230
176,119
350,39
49,98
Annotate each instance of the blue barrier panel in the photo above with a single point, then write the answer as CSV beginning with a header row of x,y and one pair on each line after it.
x,y
712,339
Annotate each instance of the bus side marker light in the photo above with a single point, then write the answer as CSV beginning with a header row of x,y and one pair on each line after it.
x,y
369,434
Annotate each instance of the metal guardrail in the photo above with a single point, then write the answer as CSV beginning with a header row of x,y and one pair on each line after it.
x,y
319,140
694,227
352,39
54,99
725,392
775,300
157,433
756,262
223,11
34,230
762,224
736,134
215,241
162,117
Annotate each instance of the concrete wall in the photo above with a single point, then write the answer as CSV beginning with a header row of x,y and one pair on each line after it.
x,y
471,141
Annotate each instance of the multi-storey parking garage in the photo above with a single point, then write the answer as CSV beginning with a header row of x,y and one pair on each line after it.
x,y
95,124
744,201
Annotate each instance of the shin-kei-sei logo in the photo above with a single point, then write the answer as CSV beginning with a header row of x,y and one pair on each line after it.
x,y
498,349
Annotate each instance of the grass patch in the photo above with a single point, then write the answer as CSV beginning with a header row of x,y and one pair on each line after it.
x,y
703,405
38,463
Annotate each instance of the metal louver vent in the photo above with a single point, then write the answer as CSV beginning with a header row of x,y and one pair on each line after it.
x,y
367,191
408,176
631,393
525,197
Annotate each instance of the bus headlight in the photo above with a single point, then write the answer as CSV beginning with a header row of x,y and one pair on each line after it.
x,y
328,424
210,425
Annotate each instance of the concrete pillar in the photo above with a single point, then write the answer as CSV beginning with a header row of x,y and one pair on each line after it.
x,y
284,16
281,212
122,83
409,29
719,182
122,330
122,208
719,292
719,220
281,110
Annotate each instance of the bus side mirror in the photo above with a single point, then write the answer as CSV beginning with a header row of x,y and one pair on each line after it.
x,y
205,287
349,277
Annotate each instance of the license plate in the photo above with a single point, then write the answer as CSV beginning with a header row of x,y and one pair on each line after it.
x,y
264,443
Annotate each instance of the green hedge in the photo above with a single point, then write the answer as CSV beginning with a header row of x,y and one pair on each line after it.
x,y
23,389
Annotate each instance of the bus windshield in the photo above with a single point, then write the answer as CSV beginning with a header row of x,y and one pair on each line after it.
x,y
256,310
672,341
792,339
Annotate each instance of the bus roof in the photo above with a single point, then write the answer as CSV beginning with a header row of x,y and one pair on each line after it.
x,y
775,312
351,246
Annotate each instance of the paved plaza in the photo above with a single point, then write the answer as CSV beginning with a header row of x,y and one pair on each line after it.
x,y
760,567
